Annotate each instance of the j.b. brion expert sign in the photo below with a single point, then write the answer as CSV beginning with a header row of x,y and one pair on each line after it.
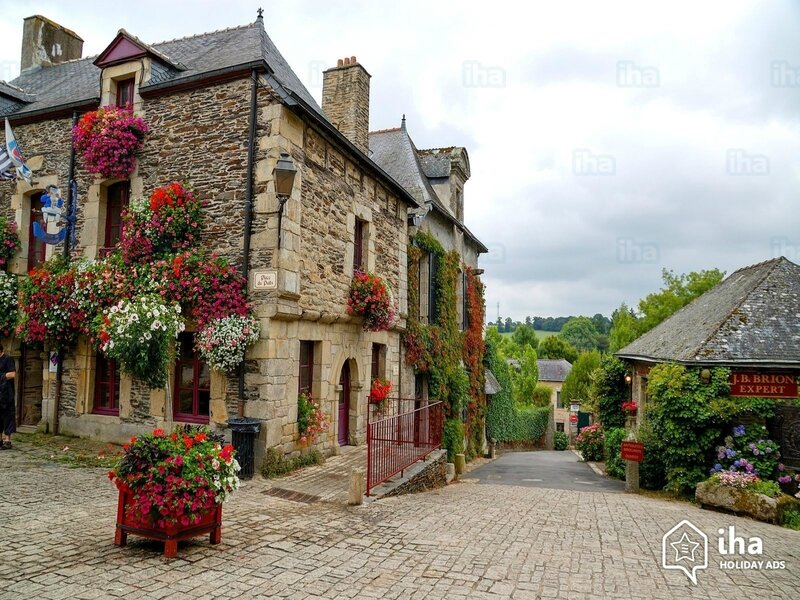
x,y
766,385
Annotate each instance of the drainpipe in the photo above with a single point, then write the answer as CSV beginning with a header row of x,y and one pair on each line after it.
x,y
248,210
67,243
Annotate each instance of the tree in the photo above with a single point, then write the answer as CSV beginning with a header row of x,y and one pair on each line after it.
x,y
524,335
500,327
553,347
528,322
624,328
579,380
509,325
609,390
678,291
523,382
580,333
601,324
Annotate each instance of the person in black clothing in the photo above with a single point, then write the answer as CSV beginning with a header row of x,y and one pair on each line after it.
x,y
8,371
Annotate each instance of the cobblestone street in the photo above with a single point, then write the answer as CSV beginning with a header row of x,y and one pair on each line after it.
x,y
464,541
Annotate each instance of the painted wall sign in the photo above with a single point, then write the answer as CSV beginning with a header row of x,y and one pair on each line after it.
x,y
266,279
767,385
632,451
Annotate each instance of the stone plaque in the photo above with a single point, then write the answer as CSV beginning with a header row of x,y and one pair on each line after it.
x,y
265,279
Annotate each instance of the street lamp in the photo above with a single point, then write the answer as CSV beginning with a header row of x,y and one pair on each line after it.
x,y
283,175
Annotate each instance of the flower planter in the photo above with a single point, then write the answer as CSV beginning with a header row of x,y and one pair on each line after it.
x,y
210,523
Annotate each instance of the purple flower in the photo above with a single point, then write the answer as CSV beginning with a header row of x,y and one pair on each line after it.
x,y
738,431
784,479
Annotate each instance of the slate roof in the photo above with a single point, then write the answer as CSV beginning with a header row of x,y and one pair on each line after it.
x,y
553,369
435,163
78,81
752,318
394,151
492,386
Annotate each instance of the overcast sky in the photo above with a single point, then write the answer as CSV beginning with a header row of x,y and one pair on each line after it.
x,y
608,140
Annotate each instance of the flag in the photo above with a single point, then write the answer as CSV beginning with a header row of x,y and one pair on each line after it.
x,y
15,155
5,166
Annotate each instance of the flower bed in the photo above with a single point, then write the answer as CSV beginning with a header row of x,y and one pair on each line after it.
x,y
311,419
740,493
173,486
371,298
108,140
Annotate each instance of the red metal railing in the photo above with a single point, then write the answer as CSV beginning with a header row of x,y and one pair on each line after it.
x,y
396,442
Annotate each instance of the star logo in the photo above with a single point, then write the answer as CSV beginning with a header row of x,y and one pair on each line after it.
x,y
685,548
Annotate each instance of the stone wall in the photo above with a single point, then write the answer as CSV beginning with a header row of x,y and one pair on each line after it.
x,y
432,475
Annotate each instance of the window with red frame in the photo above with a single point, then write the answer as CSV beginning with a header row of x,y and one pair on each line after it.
x,y
125,93
306,375
358,248
106,386
37,249
117,198
192,383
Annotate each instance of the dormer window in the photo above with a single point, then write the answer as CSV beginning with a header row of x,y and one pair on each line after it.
x,y
125,93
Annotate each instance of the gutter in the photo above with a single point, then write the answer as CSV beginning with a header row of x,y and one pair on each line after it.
x,y
248,209
735,363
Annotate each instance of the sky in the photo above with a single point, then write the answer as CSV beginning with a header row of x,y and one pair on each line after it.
x,y
607,140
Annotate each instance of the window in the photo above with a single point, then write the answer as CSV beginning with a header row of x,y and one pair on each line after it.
x,y
125,93
192,383
37,249
106,386
306,377
378,370
558,399
560,427
117,198
358,247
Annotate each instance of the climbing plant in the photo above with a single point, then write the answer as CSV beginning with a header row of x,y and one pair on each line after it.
x,y
437,349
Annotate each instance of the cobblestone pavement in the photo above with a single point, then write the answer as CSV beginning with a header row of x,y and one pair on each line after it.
x,y
326,482
463,541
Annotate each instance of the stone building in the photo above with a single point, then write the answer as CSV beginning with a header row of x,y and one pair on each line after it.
x,y
202,96
552,374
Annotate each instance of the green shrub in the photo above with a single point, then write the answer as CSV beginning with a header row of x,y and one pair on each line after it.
x,y
453,438
615,466
590,442
652,473
276,464
609,391
560,440
541,395
768,488
791,518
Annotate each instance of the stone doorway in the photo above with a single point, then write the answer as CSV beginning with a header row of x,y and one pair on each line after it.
x,y
343,432
30,387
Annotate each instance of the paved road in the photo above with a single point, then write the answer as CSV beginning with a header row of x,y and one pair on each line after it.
x,y
462,542
545,469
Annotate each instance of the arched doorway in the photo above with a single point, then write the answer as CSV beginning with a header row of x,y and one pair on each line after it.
x,y
343,433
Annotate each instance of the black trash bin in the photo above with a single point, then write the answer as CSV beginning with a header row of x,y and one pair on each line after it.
x,y
243,434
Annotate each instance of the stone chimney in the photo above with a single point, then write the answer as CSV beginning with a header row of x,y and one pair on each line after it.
x,y
345,100
45,43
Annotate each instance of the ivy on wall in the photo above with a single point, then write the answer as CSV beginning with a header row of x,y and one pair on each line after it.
x,y
438,349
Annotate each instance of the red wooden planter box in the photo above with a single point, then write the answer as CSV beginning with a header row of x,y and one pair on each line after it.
x,y
210,523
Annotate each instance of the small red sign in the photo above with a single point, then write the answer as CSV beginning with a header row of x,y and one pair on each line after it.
x,y
573,418
765,385
633,451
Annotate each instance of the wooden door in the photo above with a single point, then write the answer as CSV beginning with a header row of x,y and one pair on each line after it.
x,y
344,406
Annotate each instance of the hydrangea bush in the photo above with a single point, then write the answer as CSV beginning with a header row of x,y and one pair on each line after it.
x,y
177,478
223,342
108,139
749,450
590,442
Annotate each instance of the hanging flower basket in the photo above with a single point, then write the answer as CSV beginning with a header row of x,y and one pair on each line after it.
x,y
630,408
108,139
380,390
371,298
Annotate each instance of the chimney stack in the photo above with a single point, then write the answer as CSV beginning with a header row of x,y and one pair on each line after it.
x,y
45,43
345,100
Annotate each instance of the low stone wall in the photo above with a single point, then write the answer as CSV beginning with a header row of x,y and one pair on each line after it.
x,y
744,502
421,477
